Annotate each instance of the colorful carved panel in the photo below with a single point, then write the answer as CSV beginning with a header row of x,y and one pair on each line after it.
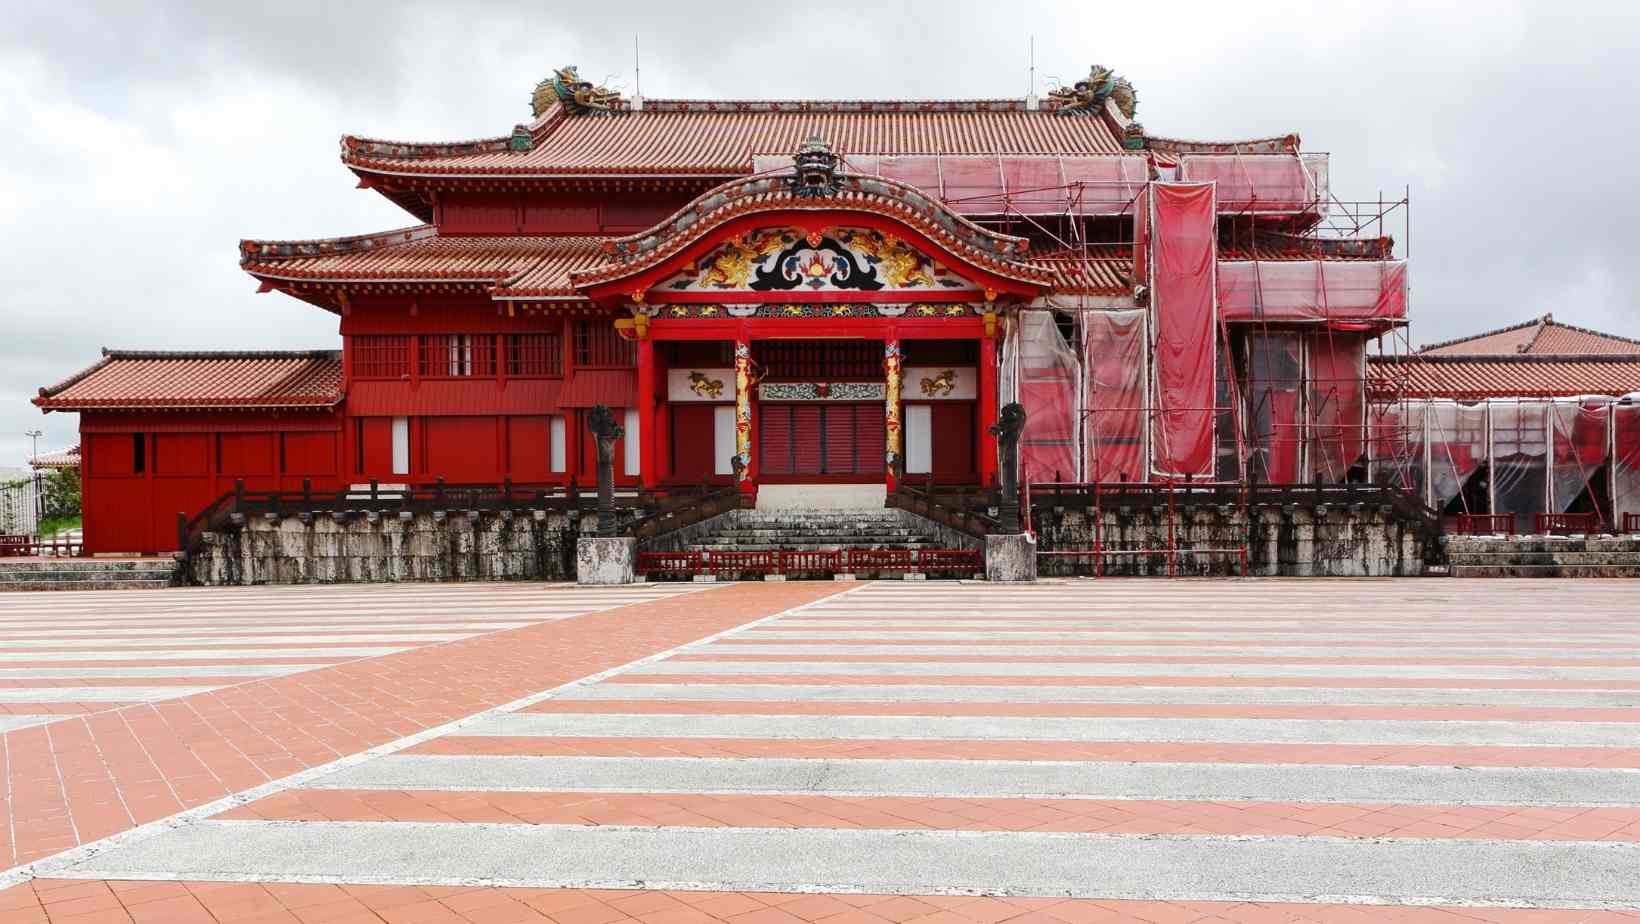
x,y
836,260
743,410
700,384
817,310
891,373
941,383
822,391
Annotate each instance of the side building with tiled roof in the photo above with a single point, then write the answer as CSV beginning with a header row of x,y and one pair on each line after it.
x,y
775,292
1538,418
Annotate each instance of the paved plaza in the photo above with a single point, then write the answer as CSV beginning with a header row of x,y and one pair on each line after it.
x,y
780,753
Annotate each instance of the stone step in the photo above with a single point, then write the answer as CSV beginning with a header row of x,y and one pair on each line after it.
x,y
97,565
1580,559
37,576
26,586
1545,571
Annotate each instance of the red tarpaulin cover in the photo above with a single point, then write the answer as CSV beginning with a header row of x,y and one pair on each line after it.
x,y
1048,373
1115,364
1337,365
1184,248
1028,184
1626,461
1275,375
1313,290
1577,452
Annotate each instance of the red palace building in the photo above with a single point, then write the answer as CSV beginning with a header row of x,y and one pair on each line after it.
x,y
781,292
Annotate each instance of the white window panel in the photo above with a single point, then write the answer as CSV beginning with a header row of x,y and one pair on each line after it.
x,y
401,445
556,440
919,435
631,440
723,439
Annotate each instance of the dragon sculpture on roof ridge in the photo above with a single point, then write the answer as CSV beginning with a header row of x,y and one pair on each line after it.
x,y
578,96
1088,95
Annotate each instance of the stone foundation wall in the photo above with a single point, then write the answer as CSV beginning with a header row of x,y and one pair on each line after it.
x,y
1544,556
1352,541
453,546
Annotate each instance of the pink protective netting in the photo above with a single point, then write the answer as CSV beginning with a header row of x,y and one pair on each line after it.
x,y
1337,365
1184,246
1626,459
1520,459
1115,417
1049,372
1577,455
1395,433
1337,291
1258,183
1274,382
991,185
1457,450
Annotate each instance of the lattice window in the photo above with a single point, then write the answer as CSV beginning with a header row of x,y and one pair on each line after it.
x,y
598,343
458,355
537,355
820,360
380,356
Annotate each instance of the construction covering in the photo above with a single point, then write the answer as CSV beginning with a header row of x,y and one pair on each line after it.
x,y
1106,184
1262,184
1626,458
1347,294
1114,420
1275,378
1456,451
1049,379
1183,221
1336,404
1396,433
1579,441
1520,459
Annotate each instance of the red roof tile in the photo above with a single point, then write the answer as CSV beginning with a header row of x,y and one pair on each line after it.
x,y
550,277
721,137
1446,376
133,380
1542,336
1104,271
60,458
417,254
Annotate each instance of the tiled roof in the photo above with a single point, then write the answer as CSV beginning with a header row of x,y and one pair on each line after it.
x,y
550,276
1103,271
1438,376
418,254
1543,336
140,380
721,137
60,458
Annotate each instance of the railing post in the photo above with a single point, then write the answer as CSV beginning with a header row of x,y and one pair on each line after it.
x,y
438,493
307,494
239,495
375,490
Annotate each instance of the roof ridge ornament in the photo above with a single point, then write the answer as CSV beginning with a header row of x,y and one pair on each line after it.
x,y
814,170
578,96
1088,96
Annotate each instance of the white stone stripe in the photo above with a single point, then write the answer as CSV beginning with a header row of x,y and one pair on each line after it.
x,y
1176,868
190,640
1063,728
122,671
890,694
1591,675
96,694
1557,786
254,627
1026,635
10,722
1524,652
212,654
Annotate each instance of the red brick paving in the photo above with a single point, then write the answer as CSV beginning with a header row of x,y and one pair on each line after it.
x,y
1416,755
69,901
80,779
1130,816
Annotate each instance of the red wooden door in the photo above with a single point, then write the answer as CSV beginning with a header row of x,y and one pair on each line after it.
x,y
951,439
692,441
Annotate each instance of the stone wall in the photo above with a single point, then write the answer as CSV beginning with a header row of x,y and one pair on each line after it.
x,y
1296,540
1544,556
453,546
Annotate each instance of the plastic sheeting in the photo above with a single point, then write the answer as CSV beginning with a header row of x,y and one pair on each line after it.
x,y
1395,434
1275,377
1049,379
1115,417
1520,460
1626,459
1184,245
1262,183
1340,292
1580,439
1337,405
1103,184
1457,450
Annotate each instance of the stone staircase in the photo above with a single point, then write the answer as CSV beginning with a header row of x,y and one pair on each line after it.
x,y
1544,556
814,530
19,574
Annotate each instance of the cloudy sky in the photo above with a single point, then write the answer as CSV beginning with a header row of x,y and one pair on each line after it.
x,y
140,141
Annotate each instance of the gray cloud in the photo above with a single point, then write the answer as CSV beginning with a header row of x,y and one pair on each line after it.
x,y
141,141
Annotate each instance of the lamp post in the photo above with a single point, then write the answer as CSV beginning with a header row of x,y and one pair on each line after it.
x,y
35,436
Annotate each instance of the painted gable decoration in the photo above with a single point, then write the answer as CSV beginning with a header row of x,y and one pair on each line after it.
x,y
838,259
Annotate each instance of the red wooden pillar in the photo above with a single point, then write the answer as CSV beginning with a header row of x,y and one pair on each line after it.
x,y
987,409
647,473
